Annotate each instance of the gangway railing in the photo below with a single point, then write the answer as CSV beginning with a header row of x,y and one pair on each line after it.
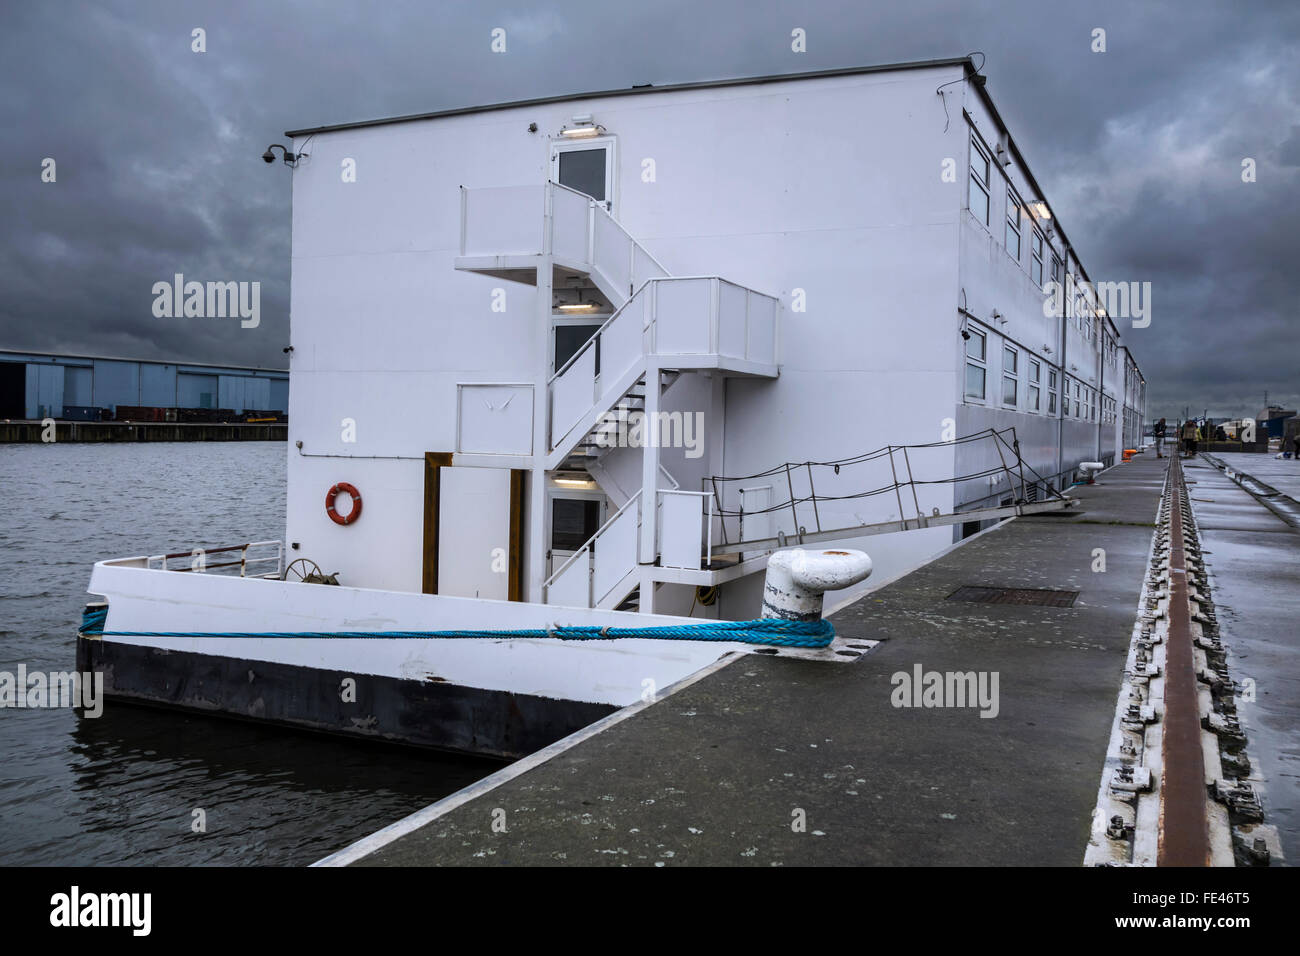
x,y
197,560
818,493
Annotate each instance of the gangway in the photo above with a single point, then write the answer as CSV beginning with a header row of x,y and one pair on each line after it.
x,y
810,513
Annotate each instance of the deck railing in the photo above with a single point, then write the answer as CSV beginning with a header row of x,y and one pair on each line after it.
x,y
267,556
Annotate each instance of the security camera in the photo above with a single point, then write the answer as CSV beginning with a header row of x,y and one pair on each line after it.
x,y
268,157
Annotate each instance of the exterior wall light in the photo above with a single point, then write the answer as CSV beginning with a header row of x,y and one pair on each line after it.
x,y
583,127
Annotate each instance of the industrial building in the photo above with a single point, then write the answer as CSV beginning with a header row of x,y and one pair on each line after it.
x,y
38,385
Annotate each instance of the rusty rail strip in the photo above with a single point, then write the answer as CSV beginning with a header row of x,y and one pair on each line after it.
x,y
1184,827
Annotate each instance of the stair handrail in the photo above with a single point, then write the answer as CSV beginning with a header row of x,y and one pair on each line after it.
x,y
586,545
595,335
594,204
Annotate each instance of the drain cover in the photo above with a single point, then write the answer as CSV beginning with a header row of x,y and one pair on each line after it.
x,y
1035,596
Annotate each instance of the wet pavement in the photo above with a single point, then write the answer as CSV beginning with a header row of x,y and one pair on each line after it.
x,y
775,761
1280,473
1253,557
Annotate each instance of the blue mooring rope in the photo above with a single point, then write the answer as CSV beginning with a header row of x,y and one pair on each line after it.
x,y
770,631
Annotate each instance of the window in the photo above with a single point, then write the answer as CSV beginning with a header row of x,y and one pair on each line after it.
x,y
1013,225
1036,262
1034,374
1056,268
979,182
975,359
1051,391
573,522
570,338
1010,377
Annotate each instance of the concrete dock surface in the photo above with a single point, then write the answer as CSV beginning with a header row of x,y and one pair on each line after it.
x,y
772,762
1253,557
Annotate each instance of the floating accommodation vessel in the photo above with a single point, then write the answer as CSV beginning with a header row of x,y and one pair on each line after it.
x,y
589,361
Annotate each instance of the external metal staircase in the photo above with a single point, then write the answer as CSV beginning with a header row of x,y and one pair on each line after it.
x,y
662,327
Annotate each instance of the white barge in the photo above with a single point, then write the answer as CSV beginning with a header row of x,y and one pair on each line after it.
x,y
589,361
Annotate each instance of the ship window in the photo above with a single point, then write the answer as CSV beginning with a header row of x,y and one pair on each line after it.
x,y
584,170
1010,378
1013,225
975,371
573,522
570,338
979,182
1033,398
1036,264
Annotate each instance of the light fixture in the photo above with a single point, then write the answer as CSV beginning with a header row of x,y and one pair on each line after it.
x,y
583,127
574,481
1041,209
578,307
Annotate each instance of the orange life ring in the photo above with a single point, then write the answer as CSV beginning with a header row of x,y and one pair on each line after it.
x,y
352,515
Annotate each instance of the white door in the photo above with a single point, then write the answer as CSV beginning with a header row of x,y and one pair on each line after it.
x,y
586,165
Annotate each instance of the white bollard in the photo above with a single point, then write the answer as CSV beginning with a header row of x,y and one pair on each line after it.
x,y
1090,469
796,581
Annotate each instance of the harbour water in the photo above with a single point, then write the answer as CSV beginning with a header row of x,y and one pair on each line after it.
x,y
124,788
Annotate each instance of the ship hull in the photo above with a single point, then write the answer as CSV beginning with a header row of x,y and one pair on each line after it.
x,y
268,650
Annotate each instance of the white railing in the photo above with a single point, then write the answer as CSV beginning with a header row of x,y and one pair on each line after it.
x,y
200,560
577,387
683,316
585,235
584,582
502,220
709,315
573,227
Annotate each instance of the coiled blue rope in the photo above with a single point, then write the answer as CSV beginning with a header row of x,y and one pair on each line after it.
x,y
770,631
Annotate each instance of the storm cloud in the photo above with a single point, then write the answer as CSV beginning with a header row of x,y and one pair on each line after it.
x,y
1139,149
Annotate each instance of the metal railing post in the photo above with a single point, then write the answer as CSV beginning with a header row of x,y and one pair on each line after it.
x,y
793,511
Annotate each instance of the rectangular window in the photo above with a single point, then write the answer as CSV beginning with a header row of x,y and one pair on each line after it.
x,y
1008,391
1033,398
1013,225
573,522
1010,377
1056,268
1036,263
1065,404
1034,370
979,182
975,358
1051,403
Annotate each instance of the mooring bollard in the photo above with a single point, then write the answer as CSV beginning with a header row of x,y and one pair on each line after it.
x,y
796,581
1090,469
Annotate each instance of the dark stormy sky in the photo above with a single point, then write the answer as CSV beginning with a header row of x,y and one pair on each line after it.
x,y
1139,149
